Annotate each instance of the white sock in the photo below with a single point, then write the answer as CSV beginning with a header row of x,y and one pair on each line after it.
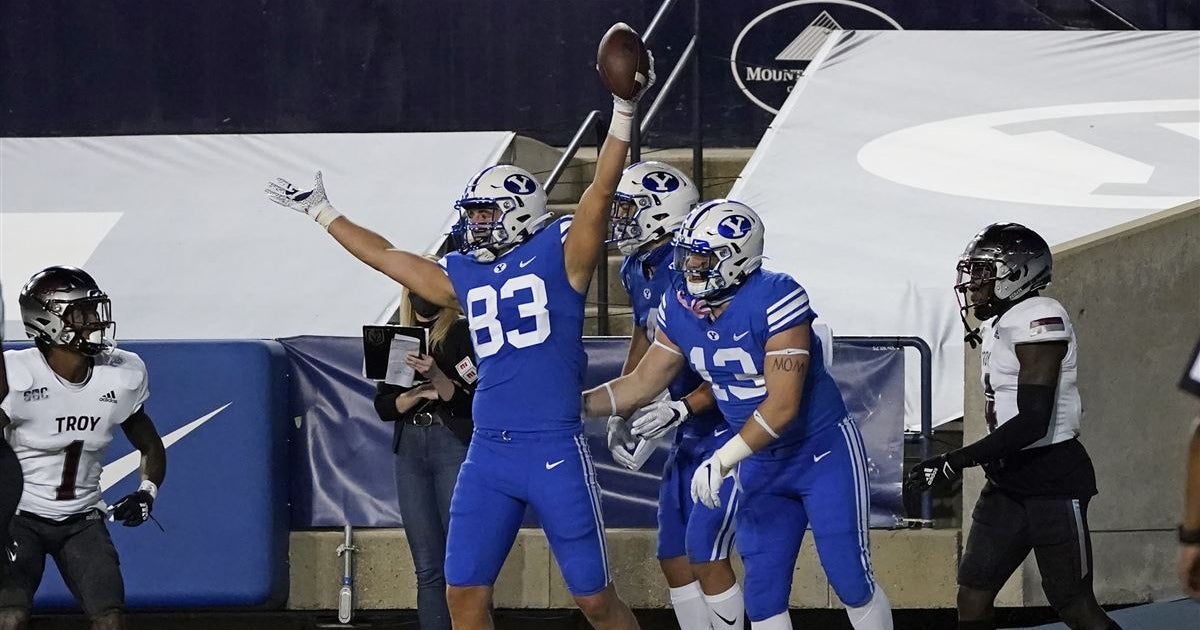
x,y
782,621
874,615
726,610
690,609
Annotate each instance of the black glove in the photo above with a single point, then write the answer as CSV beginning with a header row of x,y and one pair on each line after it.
x,y
936,472
133,509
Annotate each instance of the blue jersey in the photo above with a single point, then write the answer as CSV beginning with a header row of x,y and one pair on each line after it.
x,y
645,279
526,325
730,352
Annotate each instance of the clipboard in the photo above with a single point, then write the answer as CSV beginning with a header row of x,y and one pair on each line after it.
x,y
377,343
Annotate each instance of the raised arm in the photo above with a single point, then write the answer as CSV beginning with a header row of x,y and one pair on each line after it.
x,y
584,246
421,275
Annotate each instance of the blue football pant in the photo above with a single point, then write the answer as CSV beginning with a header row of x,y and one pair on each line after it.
x,y
821,482
504,472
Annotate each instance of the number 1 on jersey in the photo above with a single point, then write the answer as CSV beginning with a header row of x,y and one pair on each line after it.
x,y
66,490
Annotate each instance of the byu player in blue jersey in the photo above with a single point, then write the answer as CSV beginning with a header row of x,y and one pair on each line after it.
x,y
693,539
521,279
797,456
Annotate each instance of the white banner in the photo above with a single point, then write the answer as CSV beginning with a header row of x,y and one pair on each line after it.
x,y
178,231
902,145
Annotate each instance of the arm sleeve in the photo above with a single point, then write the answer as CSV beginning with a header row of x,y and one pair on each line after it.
x,y
466,372
385,401
1191,377
1035,404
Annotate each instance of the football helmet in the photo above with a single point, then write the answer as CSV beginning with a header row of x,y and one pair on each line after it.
x,y
650,203
717,246
501,206
1001,265
63,306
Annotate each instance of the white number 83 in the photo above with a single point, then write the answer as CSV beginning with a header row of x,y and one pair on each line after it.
x,y
488,317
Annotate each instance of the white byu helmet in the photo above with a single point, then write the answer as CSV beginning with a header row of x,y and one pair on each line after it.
x,y
650,202
718,245
518,205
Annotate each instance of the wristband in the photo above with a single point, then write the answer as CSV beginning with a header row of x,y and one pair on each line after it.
x,y
1189,536
621,126
612,399
326,215
150,487
732,452
687,406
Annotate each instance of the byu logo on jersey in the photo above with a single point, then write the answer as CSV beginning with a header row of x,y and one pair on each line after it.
x,y
713,335
500,268
660,182
735,226
646,293
519,184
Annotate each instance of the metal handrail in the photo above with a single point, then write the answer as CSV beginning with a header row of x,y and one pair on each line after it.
x,y
654,21
592,120
926,436
667,86
1109,11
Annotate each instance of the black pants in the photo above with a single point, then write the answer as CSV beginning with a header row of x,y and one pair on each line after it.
x,y
84,553
1005,528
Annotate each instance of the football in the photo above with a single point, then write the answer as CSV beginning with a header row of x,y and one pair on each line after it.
x,y
622,61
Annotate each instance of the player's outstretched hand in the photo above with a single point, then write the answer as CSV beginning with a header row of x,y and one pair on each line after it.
x,y
935,472
659,417
133,509
707,480
312,202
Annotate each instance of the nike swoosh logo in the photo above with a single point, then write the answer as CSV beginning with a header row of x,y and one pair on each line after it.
x,y
526,262
720,433
113,473
550,466
728,622
817,458
738,338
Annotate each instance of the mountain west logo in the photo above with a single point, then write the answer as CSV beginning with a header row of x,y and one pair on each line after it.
x,y
520,185
775,48
660,182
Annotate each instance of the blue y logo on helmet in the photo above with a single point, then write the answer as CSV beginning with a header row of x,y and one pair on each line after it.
x,y
735,226
520,184
660,182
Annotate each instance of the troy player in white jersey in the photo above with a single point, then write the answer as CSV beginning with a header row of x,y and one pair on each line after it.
x,y
1040,477
66,396
11,479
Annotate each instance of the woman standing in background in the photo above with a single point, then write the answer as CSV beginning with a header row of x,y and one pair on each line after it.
x,y
433,428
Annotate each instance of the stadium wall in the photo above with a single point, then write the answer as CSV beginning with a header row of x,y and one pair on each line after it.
x,y
1133,293
530,579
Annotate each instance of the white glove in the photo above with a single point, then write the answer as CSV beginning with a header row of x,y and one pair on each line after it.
x,y
659,417
706,482
626,106
619,435
313,202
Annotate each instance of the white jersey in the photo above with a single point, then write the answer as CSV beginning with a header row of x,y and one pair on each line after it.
x,y
60,430
1034,320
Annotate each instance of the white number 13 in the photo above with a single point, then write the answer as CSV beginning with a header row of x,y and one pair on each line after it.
x,y
487,317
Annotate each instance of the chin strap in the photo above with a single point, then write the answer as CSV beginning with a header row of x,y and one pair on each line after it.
x,y
972,337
